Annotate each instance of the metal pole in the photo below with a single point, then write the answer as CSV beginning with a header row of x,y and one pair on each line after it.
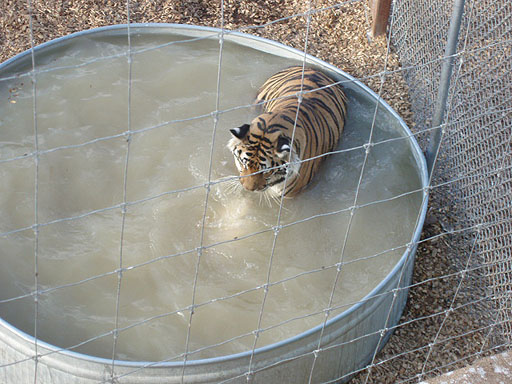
x,y
444,83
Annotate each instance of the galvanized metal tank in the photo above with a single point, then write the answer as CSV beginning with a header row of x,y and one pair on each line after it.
x,y
349,340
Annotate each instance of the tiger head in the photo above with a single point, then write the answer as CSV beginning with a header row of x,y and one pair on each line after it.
x,y
262,152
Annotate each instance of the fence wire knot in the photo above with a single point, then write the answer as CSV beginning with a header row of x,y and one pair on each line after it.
x,y
367,147
276,229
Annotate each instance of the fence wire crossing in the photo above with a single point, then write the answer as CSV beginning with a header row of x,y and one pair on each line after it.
x,y
473,166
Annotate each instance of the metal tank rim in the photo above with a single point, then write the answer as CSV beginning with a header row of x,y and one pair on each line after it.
x,y
260,44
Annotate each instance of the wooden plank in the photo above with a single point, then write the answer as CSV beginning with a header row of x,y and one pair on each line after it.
x,y
380,15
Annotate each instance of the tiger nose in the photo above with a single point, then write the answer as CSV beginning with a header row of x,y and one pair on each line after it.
x,y
252,181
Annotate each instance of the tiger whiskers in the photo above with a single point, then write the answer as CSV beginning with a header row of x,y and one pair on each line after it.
x,y
233,186
262,195
270,197
266,196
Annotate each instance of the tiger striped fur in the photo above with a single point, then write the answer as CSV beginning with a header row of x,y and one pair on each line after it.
x,y
263,150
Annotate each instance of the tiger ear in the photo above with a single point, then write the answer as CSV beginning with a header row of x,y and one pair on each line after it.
x,y
240,132
283,145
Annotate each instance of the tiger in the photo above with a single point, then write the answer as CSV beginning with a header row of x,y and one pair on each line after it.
x,y
282,149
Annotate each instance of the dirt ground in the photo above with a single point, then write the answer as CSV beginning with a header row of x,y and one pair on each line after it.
x,y
338,35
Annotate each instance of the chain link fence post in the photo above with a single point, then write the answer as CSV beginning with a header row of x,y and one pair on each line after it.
x,y
444,83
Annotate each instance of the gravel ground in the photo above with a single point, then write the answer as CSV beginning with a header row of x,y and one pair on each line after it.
x,y
338,36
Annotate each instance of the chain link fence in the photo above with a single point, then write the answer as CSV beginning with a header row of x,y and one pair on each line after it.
x,y
475,152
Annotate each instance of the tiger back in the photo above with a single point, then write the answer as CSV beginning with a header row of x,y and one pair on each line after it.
x,y
282,148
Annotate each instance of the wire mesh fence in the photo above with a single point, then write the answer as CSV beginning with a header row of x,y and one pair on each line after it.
x,y
459,306
477,130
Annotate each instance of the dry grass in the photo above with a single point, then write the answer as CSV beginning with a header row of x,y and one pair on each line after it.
x,y
338,36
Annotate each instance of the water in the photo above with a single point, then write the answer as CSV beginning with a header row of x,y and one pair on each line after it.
x,y
168,167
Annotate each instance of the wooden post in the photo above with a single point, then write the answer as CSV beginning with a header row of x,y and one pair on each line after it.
x,y
380,15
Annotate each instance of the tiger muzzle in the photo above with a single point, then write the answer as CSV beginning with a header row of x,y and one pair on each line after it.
x,y
252,181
